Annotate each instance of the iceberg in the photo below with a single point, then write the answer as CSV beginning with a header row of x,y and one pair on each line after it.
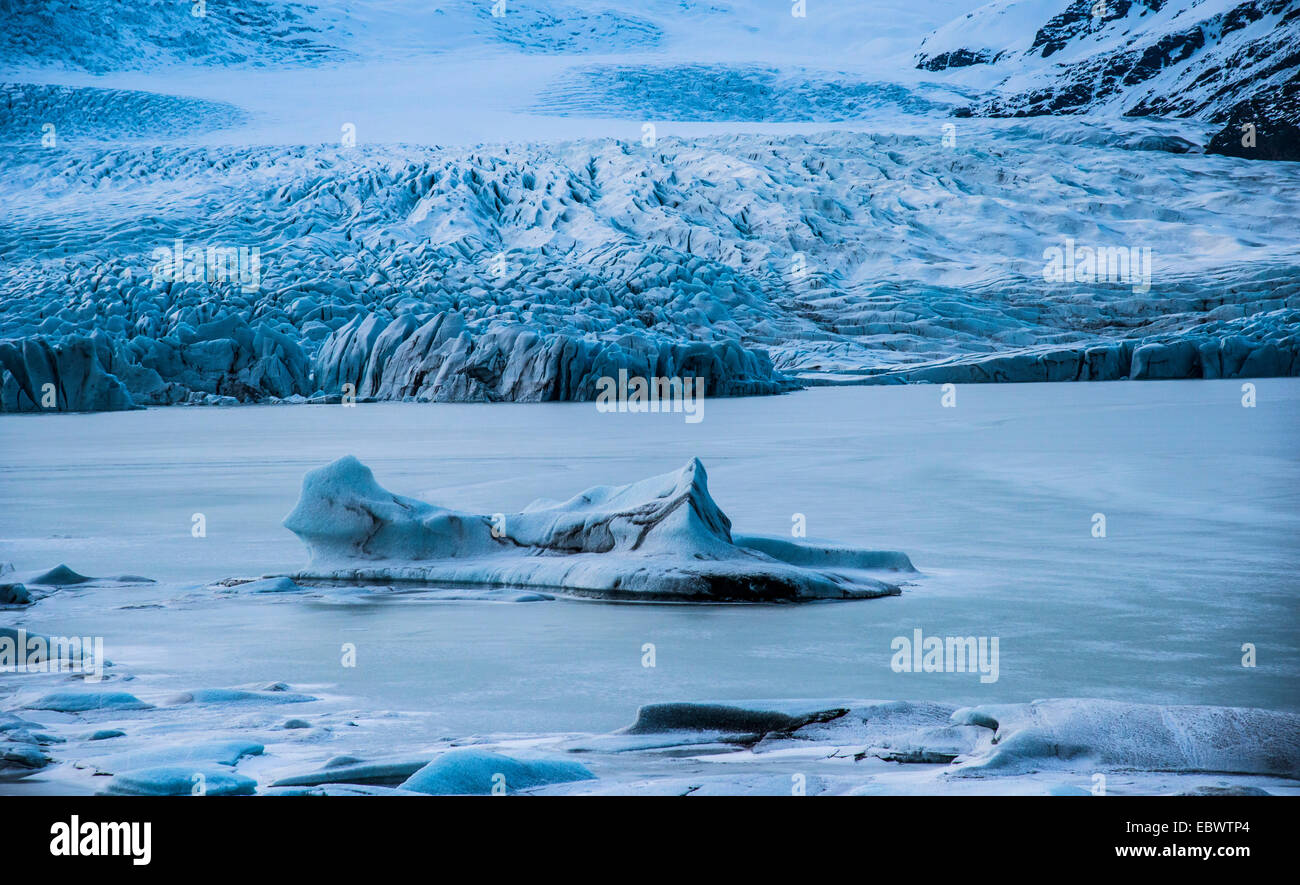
x,y
36,587
24,731
875,724
942,744
663,538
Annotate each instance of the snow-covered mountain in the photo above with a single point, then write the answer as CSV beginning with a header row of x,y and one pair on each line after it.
x,y
1234,62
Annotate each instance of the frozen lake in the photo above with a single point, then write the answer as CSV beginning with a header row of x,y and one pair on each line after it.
x,y
993,500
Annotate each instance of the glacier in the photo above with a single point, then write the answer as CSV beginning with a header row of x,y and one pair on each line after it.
x,y
788,223
528,275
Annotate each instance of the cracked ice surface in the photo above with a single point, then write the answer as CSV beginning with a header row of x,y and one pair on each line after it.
x,y
526,273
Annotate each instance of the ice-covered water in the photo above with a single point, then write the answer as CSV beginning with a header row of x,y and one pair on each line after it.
x,y
993,499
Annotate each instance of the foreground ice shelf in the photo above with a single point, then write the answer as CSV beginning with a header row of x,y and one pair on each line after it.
x,y
839,746
662,538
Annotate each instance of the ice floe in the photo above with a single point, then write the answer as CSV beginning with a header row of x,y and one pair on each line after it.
x,y
62,576
181,780
20,759
993,740
238,696
268,585
477,772
217,752
757,718
37,585
1113,734
105,734
833,746
18,644
88,701
354,771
